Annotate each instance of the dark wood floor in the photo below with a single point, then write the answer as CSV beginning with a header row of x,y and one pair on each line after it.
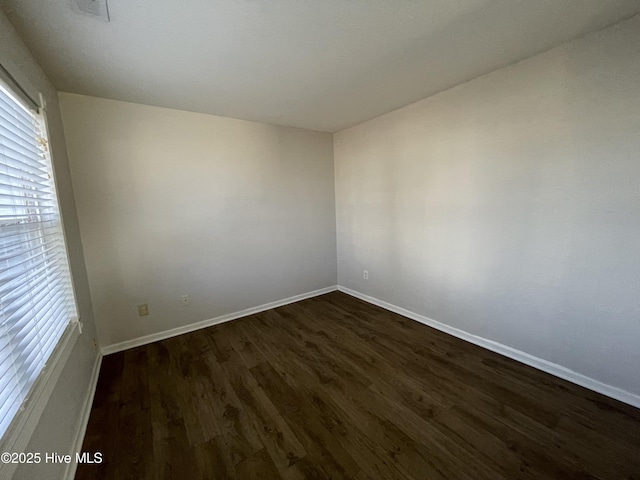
x,y
332,387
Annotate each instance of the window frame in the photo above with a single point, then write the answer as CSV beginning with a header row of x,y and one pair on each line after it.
x,y
21,428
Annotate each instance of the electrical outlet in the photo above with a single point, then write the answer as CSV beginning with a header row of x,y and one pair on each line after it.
x,y
185,300
95,344
365,274
143,309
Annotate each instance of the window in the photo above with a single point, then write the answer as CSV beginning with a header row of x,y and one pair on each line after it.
x,y
37,302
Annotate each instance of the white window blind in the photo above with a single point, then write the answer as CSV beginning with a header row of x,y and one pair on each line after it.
x,y
36,297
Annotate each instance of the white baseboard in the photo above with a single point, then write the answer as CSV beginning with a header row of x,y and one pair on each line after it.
x,y
136,342
70,472
532,361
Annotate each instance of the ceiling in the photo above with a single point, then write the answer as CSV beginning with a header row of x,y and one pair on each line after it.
x,y
317,64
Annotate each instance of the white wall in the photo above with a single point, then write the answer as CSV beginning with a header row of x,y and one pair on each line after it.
x,y
235,214
509,207
56,430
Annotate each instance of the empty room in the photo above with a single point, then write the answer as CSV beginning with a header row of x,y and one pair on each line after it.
x,y
337,239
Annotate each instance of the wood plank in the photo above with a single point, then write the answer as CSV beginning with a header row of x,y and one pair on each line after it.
x,y
258,466
320,445
241,436
281,443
